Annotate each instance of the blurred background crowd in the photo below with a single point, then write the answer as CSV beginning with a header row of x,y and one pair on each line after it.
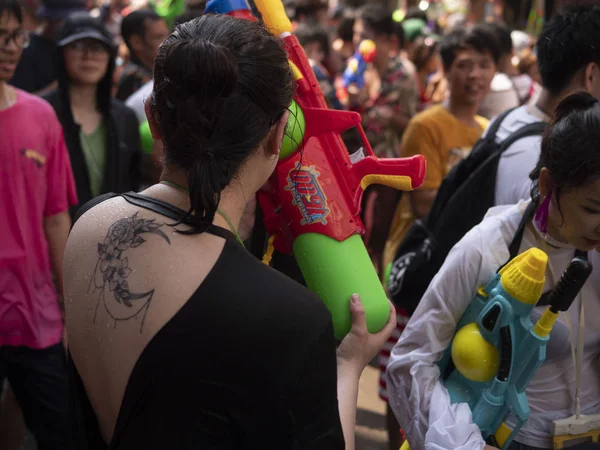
x,y
432,85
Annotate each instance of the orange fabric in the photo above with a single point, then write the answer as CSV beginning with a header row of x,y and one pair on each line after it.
x,y
444,141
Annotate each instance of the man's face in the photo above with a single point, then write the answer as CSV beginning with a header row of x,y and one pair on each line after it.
x,y
12,39
470,75
155,32
362,32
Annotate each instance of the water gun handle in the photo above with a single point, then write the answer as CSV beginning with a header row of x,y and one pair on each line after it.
x,y
387,172
564,293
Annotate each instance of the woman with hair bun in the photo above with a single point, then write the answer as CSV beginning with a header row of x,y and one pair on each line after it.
x,y
562,217
179,338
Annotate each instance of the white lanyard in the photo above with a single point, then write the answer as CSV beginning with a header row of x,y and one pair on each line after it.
x,y
577,355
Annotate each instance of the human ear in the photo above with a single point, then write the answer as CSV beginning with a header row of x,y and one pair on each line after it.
x,y
545,183
273,147
591,74
152,123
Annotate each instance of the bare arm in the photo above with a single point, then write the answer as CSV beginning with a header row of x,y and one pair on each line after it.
x,y
347,388
354,353
56,228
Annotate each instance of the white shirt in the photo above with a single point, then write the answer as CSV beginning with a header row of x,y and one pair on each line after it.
x,y
502,96
518,160
136,100
418,398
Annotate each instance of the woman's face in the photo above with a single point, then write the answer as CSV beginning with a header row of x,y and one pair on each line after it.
x,y
579,223
86,61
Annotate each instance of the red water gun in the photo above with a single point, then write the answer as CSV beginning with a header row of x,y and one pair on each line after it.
x,y
312,205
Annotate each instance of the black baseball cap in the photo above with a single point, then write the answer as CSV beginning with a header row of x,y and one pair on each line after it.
x,y
83,26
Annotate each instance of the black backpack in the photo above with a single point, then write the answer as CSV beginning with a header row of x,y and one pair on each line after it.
x,y
463,199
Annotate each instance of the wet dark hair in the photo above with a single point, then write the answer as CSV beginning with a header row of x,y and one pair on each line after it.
x,y
378,19
476,36
307,33
568,42
12,7
70,26
220,84
134,24
570,145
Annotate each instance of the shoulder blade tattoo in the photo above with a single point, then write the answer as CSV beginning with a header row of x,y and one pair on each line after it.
x,y
112,269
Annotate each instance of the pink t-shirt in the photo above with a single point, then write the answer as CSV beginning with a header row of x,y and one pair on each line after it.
x,y
35,182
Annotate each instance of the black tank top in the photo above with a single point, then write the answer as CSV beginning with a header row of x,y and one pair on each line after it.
x,y
247,363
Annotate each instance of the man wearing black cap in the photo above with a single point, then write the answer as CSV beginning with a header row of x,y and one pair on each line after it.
x,y
37,71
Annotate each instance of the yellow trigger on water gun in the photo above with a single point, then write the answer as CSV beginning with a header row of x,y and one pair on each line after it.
x,y
400,182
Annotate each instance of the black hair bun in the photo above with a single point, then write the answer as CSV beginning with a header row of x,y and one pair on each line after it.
x,y
580,101
210,71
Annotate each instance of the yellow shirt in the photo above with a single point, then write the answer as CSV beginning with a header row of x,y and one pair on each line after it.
x,y
444,141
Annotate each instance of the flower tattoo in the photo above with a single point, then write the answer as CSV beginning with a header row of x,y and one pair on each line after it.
x,y
112,268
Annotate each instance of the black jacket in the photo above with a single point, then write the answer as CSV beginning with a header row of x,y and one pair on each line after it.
x,y
123,153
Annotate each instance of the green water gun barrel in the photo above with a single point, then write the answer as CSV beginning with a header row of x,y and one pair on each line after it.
x,y
146,139
335,270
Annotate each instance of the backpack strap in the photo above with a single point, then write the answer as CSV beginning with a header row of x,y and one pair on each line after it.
x,y
93,202
495,125
531,129
513,248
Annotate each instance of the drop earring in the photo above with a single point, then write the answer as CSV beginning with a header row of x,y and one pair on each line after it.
x,y
541,216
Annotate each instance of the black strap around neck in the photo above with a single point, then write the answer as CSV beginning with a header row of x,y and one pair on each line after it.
x,y
513,248
159,207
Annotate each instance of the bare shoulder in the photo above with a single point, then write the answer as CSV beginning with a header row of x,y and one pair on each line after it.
x,y
121,256
101,248
127,272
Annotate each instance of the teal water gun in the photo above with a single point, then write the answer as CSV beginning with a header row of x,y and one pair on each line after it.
x,y
497,350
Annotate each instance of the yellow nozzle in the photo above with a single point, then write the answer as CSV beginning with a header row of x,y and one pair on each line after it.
x,y
400,182
502,434
524,276
274,16
544,325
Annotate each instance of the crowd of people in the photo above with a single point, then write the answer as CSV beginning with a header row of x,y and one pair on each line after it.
x,y
118,122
